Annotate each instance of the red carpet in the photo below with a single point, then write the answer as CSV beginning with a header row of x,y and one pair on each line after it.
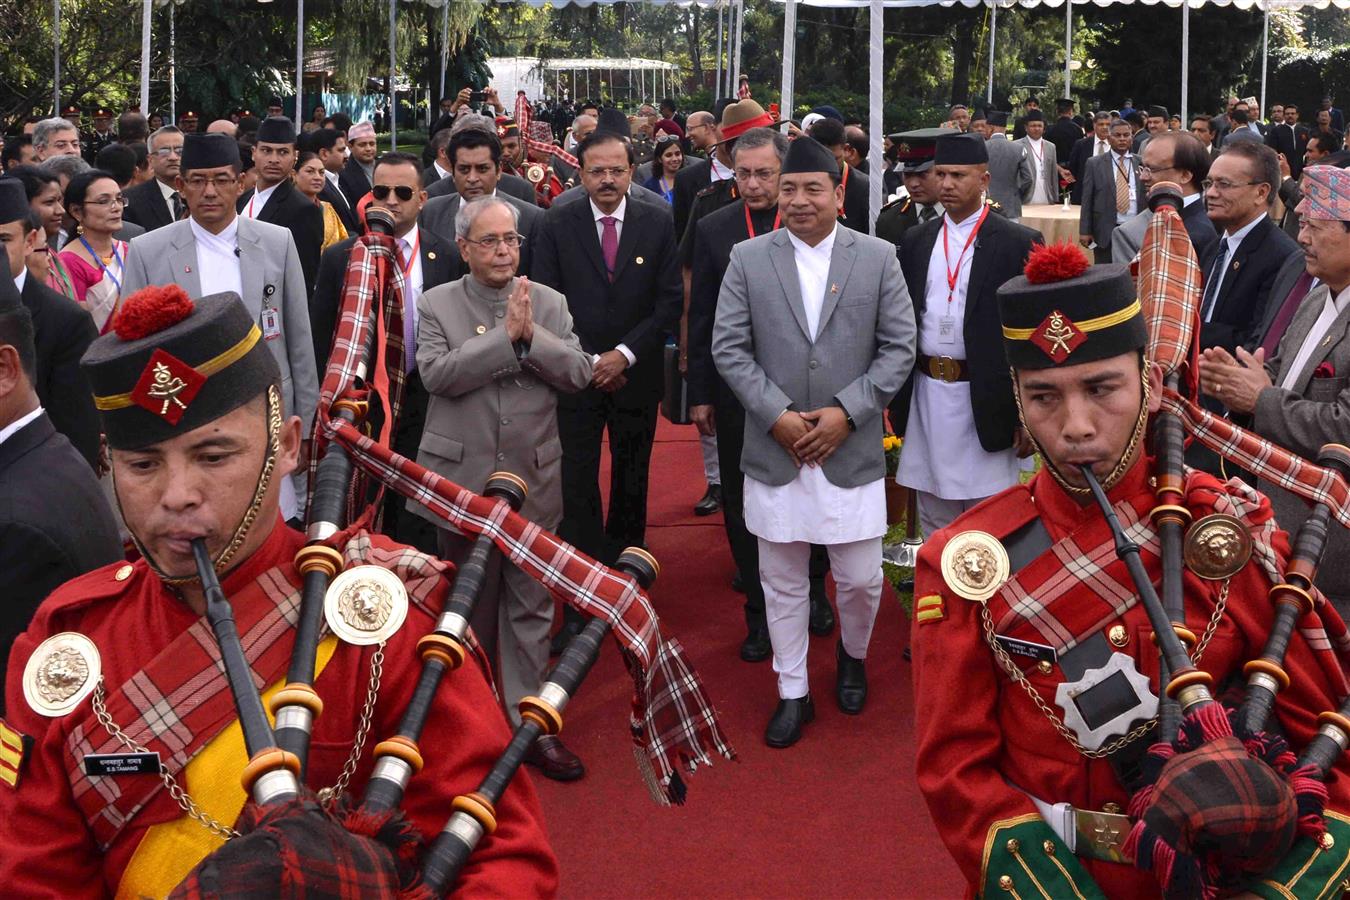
x,y
838,815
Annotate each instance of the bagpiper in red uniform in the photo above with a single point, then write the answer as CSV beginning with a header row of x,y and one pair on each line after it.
x,y
121,660
1026,808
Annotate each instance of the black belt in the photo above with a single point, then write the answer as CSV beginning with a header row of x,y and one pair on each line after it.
x,y
943,368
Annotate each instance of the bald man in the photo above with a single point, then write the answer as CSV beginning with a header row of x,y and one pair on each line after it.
x,y
223,126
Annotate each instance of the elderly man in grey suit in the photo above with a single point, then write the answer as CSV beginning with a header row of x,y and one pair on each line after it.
x,y
1010,173
475,168
1044,163
814,333
1181,159
216,250
493,351
1300,397
1112,194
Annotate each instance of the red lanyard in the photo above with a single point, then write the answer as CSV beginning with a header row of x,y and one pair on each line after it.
x,y
946,255
407,264
843,183
750,226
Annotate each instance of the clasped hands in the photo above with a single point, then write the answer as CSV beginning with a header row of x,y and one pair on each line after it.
x,y
1235,382
811,437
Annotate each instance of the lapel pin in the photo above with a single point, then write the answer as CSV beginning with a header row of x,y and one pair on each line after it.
x,y
481,329
269,291
431,254
834,289
187,270
638,260
1237,264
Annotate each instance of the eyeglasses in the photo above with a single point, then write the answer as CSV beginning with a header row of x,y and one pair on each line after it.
x,y
120,200
169,151
611,171
1223,186
492,241
1153,170
401,191
757,174
220,182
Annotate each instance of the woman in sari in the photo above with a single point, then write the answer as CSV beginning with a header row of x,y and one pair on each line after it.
x,y
309,178
45,199
94,258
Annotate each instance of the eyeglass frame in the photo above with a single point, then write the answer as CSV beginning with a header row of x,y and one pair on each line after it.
x,y
1226,186
396,189
490,243
107,201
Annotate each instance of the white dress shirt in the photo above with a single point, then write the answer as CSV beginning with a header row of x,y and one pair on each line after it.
x,y
1041,192
444,173
719,172
1234,241
1124,163
618,215
254,207
21,279
412,277
13,427
1331,309
811,508
167,190
941,453
217,258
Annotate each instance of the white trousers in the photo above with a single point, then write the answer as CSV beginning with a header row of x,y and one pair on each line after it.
x,y
783,571
936,512
712,472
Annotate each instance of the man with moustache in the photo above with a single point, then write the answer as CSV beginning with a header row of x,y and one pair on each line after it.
x,y
1155,122
275,199
956,412
814,382
914,155
1111,193
330,145
359,169
1044,164
1094,144
1065,132
1181,159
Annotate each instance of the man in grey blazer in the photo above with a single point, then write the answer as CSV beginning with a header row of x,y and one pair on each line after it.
x,y
1010,171
1300,397
493,350
475,159
1112,194
1044,186
814,380
216,250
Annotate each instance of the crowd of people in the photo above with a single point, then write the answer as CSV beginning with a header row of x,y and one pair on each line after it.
x,y
559,274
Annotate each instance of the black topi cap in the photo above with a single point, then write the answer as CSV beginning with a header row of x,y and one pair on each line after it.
x,y
171,364
806,154
1065,312
209,151
1034,115
997,118
613,121
13,202
1157,112
957,149
276,130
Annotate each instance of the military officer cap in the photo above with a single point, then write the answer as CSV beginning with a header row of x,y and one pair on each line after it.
x,y
103,113
957,148
914,149
190,114
1064,312
806,154
70,111
170,364
507,127
276,130
209,151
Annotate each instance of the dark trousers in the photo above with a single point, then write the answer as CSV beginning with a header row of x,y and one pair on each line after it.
x,y
730,418
399,523
1102,255
583,420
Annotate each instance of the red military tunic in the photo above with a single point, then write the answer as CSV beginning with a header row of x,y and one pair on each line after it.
x,y
51,846
984,746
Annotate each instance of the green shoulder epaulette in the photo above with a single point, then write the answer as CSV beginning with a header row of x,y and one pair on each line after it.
x,y
1312,869
1024,858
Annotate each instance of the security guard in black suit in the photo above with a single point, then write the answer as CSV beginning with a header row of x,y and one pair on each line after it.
x,y
919,203
276,200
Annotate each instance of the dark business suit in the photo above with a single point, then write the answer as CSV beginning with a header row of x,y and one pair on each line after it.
x,y
332,194
146,206
439,213
62,331
55,523
1245,290
299,215
638,306
688,182
440,265
857,201
1292,141
354,182
1000,253
1081,152
1285,280
512,185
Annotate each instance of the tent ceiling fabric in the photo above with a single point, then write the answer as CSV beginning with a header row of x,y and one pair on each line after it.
x,y
1005,4
612,2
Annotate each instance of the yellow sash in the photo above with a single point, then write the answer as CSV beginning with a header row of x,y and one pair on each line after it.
x,y
170,850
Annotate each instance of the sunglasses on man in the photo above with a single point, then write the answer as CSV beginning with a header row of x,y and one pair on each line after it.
x,y
401,191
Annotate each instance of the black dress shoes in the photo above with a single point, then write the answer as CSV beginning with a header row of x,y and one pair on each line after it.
x,y
756,646
785,728
821,622
850,682
553,760
711,502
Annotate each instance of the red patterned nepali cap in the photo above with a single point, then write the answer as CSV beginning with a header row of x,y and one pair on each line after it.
x,y
1326,193
1063,311
170,364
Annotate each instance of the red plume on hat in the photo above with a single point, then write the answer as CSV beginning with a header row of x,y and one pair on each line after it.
x,y
1054,262
151,310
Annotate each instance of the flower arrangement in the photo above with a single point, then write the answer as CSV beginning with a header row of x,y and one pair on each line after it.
x,y
890,445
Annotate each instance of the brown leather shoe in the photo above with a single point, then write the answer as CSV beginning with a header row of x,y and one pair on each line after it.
x,y
554,760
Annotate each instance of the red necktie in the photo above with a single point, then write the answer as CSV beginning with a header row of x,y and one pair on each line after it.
x,y
1286,314
609,244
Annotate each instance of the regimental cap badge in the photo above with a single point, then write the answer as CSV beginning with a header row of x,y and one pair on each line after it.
x,y
365,605
167,386
1058,336
63,670
974,565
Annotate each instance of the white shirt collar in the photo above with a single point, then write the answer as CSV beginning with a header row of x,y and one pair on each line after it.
x,y
410,235
331,176
1190,198
228,237
262,195
444,173
22,279
719,171
617,214
1236,237
824,248
13,427
167,190
965,224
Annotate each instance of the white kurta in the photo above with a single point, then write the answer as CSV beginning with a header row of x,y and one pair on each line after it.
x,y
1041,192
254,207
942,453
810,508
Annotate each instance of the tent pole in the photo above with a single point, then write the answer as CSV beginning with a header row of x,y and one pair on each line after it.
x,y
789,56
393,86
875,36
717,92
445,48
736,63
993,30
1265,60
145,61
1068,46
299,63
173,72
56,55
1185,63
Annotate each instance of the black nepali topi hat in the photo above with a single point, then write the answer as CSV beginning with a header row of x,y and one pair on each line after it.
x,y
613,121
961,149
276,130
171,364
806,154
1157,112
1034,115
209,151
1064,312
13,201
